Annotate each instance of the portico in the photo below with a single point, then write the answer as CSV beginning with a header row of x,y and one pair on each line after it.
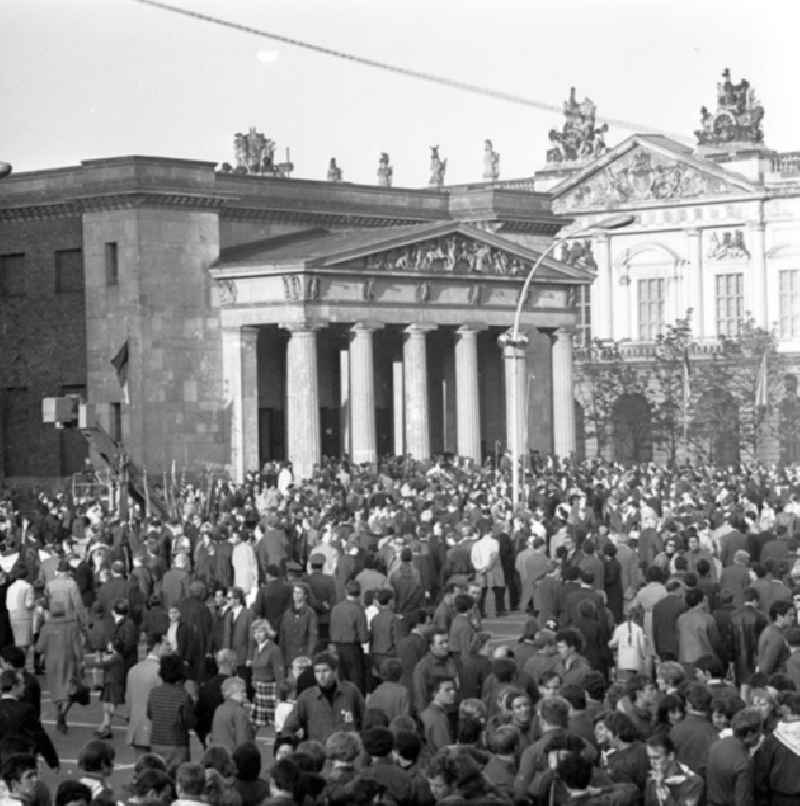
x,y
388,342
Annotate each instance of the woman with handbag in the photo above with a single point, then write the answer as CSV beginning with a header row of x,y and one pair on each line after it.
x,y
62,650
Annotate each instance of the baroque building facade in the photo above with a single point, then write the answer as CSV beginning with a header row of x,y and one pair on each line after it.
x,y
714,247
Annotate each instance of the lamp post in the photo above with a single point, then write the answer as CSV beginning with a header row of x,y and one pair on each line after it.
x,y
517,341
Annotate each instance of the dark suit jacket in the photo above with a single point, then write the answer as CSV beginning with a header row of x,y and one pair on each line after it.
x,y
236,633
272,601
665,617
18,718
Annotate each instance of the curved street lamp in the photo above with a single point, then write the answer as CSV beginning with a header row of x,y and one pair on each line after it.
x,y
518,340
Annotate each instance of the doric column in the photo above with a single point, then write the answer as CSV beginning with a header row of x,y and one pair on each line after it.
x,y
415,383
397,408
515,366
695,280
759,302
240,380
362,393
602,290
468,412
563,401
302,398
344,401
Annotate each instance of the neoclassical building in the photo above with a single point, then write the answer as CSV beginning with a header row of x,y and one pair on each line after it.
x,y
252,316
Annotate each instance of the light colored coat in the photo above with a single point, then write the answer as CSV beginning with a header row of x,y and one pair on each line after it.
x,y
485,557
60,644
142,679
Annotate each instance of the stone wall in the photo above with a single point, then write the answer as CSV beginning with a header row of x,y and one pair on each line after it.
x,y
43,352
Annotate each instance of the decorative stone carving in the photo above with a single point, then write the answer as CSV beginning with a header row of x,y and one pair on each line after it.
x,y
491,162
423,291
334,171
368,290
578,253
729,245
738,116
254,152
640,175
449,254
438,167
385,171
227,292
312,288
300,289
475,294
579,137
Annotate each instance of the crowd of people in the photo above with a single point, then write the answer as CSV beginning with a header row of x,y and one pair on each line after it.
x,y
344,618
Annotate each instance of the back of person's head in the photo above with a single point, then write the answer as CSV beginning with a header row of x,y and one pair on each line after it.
x,y
505,669
407,745
219,759
694,597
575,695
344,746
634,684
698,698
402,723
463,603
171,669
315,752
469,730
554,711
13,656
96,756
572,574
353,588
247,761
781,682
621,726
654,574
471,706
9,680
504,740
149,761
594,684
149,781
378,742
75,792
384,597
391,670
574,771
746,722
285,774
190,780
671,672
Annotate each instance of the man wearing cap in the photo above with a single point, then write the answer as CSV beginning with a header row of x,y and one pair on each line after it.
x,y
62,588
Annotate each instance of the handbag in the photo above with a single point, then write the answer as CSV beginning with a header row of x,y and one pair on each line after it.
x,y
81,695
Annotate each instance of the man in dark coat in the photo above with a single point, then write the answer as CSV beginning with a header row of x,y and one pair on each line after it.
x,y
274,597
18,718
730,774
665,617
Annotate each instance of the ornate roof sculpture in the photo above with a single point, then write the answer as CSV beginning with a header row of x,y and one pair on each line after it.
x,y
738,116
580,138
254,153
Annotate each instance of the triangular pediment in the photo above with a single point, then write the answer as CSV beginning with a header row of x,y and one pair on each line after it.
x,y
439,248
645,170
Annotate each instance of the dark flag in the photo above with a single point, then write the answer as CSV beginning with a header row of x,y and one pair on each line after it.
x,y
120,364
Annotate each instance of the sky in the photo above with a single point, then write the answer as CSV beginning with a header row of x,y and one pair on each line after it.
x,y
84,79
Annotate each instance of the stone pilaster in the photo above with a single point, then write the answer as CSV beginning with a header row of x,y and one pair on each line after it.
x,y
362,393
302,398
415,383
240,380
695,281
602,290
563,401
468,412
759,302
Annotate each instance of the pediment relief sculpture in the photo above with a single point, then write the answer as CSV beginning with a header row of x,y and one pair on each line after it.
x,y
640,175
452,254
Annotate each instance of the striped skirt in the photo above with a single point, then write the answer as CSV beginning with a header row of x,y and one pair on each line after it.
x,y
263,703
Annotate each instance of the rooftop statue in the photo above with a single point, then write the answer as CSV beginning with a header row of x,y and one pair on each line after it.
x,y
334,171
580,138
491,162
254,152
385,171
738,116
438,167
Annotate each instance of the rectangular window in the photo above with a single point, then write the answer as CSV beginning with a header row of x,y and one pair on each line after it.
x,y
730,304
583,332
789,303
69,271
651,308
12,275
112,264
